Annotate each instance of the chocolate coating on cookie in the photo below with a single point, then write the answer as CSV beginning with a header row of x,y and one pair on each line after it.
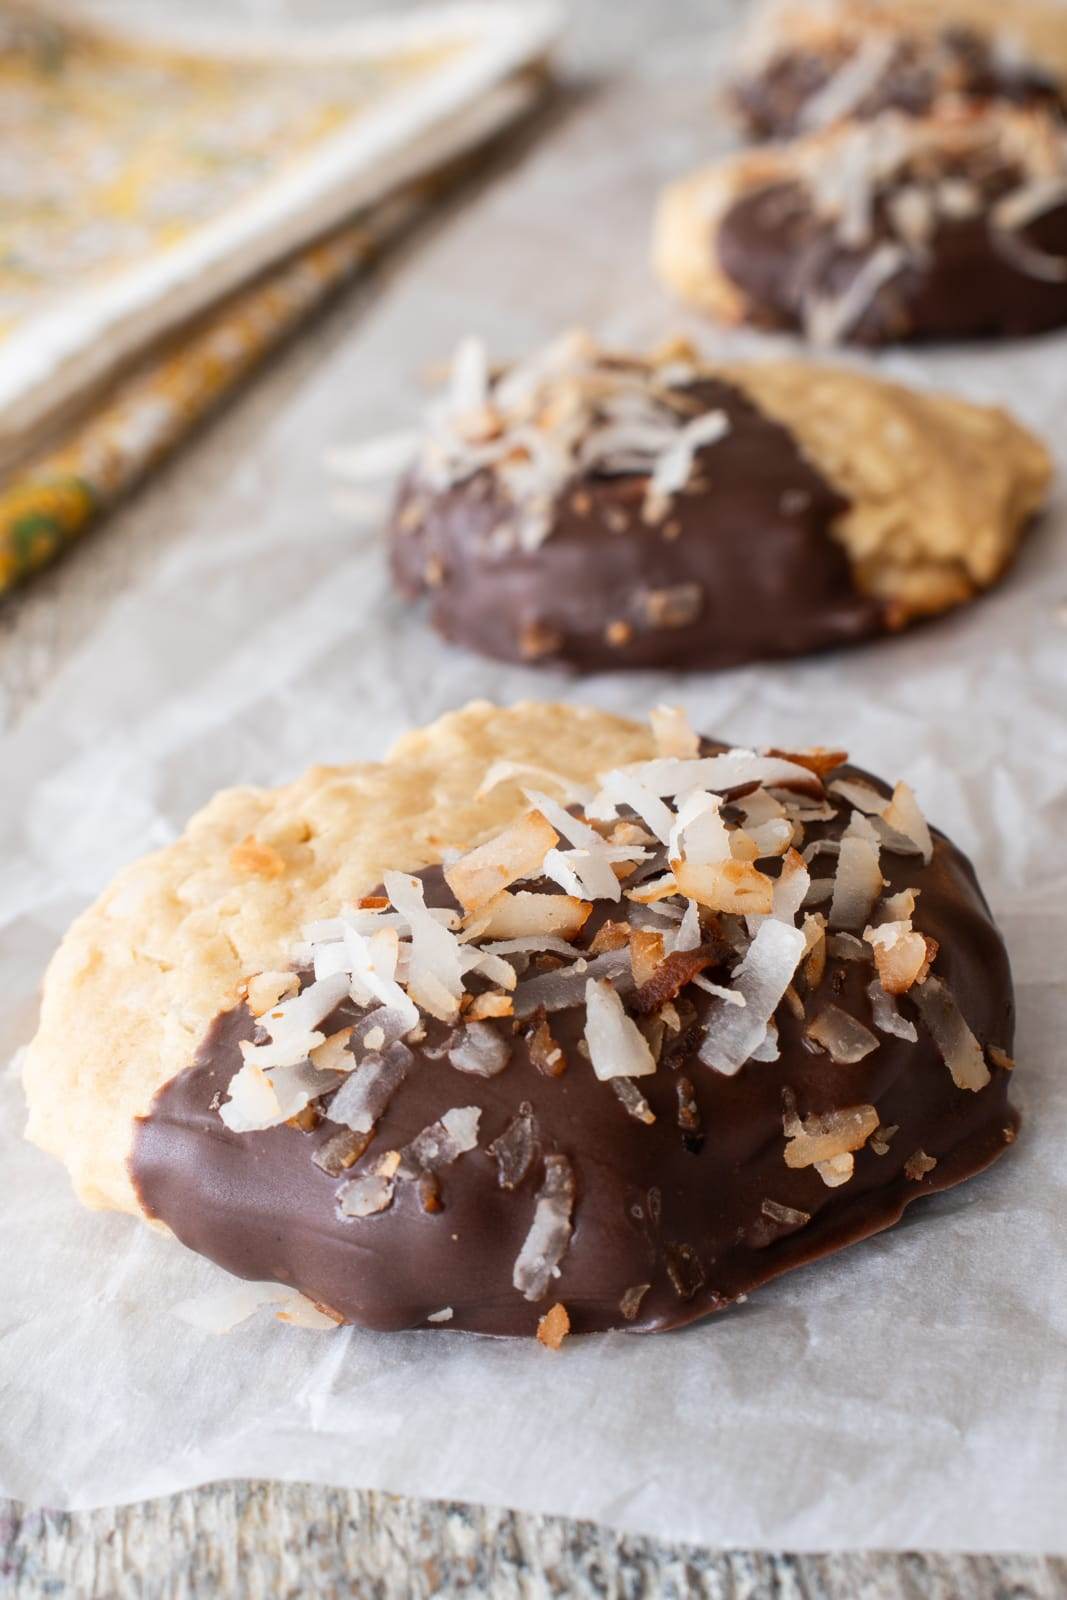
x,y
883,233
672,1219
741,566
784,96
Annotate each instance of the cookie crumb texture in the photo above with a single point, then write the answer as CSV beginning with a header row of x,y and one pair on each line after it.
x,y
604,511
670,1020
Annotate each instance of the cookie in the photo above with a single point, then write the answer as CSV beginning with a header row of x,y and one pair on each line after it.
x,y
807,64
946,227
544,1024
602,511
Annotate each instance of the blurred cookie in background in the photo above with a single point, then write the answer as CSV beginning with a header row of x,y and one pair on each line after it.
x,y
952,226
601,511
806,64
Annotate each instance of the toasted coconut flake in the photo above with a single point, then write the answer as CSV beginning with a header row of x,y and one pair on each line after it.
x,y
445,1314
699,835
630,1304
365,1093
836,1170
589,861
646,954
257,859
516,1149
490,1004
732,1033
690,933
918,1165
297,1018
617,1048
861,796
880,1139
366,1195
480,1049
610,936
627,787
734,886
898,907
1000,1058
817,759
333,1055
441,1143
670,976
550,1231
734,769
554,1327
253,1103
633,1101
823,1138
790,888
674,467
517,852
513,916
772,838
900,955
897,844
960,1050
903,815
673,733
661,888
267,989
768,1048
558,991
858,880
305,1121
435,971
843,1038
887,1018
815,950
546,1055
341,1151
685,1270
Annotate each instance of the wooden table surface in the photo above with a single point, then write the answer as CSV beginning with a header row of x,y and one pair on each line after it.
x,y
277,1540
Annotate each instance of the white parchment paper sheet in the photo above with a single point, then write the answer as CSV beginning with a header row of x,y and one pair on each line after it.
x,y
910,1392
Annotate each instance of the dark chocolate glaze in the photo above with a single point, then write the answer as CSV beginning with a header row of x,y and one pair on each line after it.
x,y
775,247
958,63
751,533
648,1198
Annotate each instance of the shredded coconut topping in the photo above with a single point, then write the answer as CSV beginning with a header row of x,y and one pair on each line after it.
x,y
697,870
569,411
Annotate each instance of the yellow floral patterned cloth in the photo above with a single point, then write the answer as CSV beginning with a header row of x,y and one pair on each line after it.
x,y
111,151
114,153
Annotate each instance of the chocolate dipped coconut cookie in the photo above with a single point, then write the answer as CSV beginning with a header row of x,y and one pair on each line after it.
x,y
945,227
545,1024
604,511
806,64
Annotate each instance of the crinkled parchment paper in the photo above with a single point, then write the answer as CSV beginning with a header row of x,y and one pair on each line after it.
x,y
910,1392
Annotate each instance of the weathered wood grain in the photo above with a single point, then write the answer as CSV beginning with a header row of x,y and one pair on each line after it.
x,y
278,1540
